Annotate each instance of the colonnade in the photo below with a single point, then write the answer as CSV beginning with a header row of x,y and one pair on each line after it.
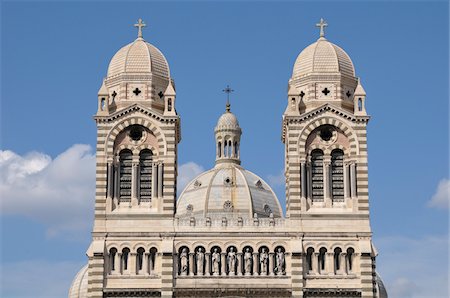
x,y
324,262
138,262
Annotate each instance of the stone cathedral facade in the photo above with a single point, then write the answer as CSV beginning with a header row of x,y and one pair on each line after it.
x,y
226,235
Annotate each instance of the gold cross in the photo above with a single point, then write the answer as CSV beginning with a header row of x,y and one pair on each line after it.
x,y
140,25
322,25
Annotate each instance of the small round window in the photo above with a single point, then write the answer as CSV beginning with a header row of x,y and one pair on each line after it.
x,y
326,134
136,133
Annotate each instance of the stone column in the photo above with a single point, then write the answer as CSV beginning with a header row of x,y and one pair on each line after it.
x,y
191,264
271,264
308,182
315,262
160,180
207,265
329,263
154,180
346,182
255,264
120,268
223,263
110,189
353,180
134,181
116,263
158,261
303,179
239,264
342,263
145,262
116,185
326,181
132,256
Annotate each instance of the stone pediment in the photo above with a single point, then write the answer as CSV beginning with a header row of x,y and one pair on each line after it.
x,y
326,108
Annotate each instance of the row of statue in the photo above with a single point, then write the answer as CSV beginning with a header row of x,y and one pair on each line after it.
x,y
232,259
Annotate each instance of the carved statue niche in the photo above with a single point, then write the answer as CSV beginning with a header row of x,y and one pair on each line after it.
x,y
215,259
231,259
200,261
184,261
248,261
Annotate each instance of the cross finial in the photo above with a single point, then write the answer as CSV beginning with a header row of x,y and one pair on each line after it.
x,y
322,25
140,25
228,90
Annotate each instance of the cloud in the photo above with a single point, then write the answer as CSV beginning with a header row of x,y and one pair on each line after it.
x,y
57,192
414,267
186,173
441,198
38,278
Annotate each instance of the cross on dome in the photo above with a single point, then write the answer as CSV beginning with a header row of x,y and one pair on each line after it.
x,y
322,24
228,90
140,24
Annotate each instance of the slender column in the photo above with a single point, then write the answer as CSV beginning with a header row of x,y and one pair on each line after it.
x,y
353,179
134,182
132,263
145,262
303,177
271,264
160,180
120,268
191,264
154,180
346,182
255,263
326,181
342,263
116,184
309,182
207,266
116,263
157,264
110,189
239,263
329,263
315,262
223,263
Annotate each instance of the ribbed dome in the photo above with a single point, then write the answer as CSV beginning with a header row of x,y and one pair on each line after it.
x,y
139,57
79,286
323,57
227,120
228,190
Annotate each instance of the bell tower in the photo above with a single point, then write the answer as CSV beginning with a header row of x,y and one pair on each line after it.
x,y
324,132
138,130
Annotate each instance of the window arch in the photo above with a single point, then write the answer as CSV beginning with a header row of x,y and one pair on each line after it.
x,y
337,258
125,255
322,259
112,258
350,257
317,174
140,258
309,258
125,161
337,175
145,177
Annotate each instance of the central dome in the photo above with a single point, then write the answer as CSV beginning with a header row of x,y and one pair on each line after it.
x,y
323,57
139,57
228,190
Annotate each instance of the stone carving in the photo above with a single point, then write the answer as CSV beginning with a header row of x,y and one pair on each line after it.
x,y
184,261
248,261
267,209
200,261
190,208
264,261
215,261
231,258
227,206
281,262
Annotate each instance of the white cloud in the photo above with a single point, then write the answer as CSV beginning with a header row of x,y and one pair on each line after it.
x,y
414,267
187,172
37,278
58,193
441,198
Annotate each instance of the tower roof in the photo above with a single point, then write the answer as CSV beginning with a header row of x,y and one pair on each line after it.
x,y
323,57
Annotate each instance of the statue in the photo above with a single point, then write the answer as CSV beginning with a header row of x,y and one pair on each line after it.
x,y
200,261
264,261
279,269
184,261
248,261
215,261
232,261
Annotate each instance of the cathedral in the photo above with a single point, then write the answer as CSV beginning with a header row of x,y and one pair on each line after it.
x,y
226,234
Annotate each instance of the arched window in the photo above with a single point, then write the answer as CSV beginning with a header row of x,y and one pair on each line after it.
x,y
169,104
152,257
112,258
125,159
230,148
360,105
219,149
322,259
125,254
140,258
337,175
317,174
236,149
309,258
225,148
145,177
103,104
350,255
337,258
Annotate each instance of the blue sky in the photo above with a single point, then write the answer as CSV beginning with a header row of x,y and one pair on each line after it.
x,y
54,56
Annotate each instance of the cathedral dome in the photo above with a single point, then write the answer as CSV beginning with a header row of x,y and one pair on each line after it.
x,y
228,120
139,57
228,190
323,57
79,286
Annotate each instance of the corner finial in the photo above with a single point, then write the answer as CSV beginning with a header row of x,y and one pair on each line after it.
x,y
140,24
322,24
228,90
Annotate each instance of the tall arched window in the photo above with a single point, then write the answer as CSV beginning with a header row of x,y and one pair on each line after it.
x,y
309,258
337,175
145,177
125,158
112,258
322,259
140,258
350,255
219,149
317,174
337,258
125,254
